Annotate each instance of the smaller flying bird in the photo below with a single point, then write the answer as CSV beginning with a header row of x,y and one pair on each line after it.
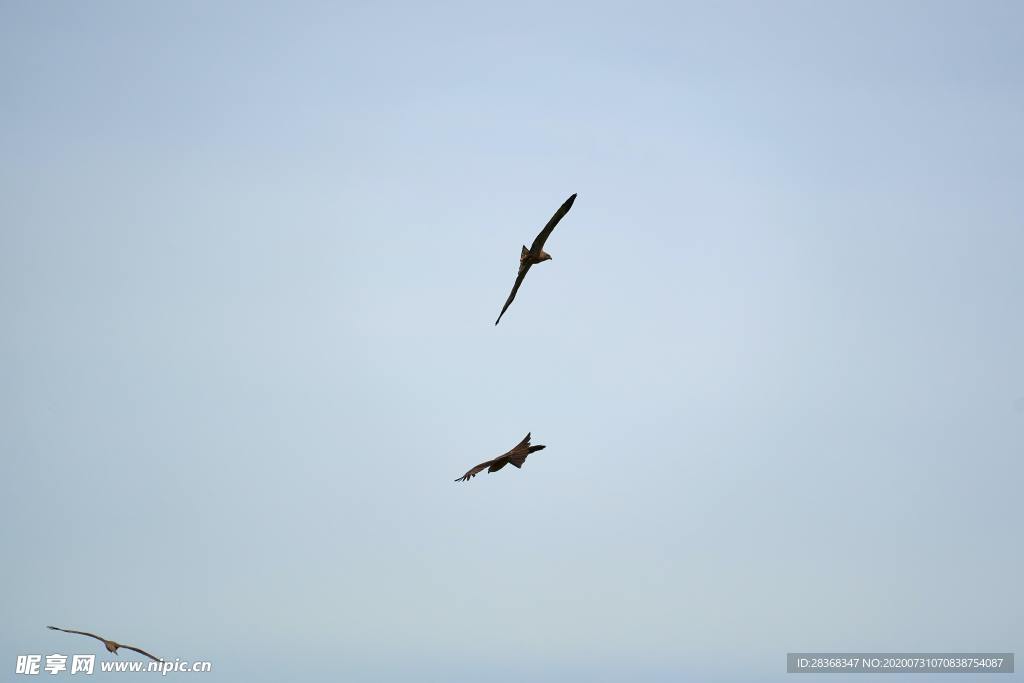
x,y
536,253
516,456
111,645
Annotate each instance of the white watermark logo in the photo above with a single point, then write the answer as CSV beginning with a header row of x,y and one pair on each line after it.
x,y
32,665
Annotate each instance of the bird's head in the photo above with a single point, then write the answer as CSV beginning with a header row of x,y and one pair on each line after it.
x,y
544,256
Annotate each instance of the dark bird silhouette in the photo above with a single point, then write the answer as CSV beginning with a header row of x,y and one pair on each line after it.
x,y
536,253
516,456
110,644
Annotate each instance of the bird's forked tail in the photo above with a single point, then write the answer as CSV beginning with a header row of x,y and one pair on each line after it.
x,y
518,460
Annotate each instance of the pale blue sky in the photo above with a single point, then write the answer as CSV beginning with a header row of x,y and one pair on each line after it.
x,y
251,256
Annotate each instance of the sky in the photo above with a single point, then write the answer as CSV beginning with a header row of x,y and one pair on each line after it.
x,y
251,255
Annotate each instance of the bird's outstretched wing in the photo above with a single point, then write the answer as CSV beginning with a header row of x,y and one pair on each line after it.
x,y
523,270
517,456
81,633
475,471
525,443
142,652
542,237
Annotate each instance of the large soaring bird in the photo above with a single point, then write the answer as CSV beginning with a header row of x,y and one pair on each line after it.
x,y
111,645
516,456
536,253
